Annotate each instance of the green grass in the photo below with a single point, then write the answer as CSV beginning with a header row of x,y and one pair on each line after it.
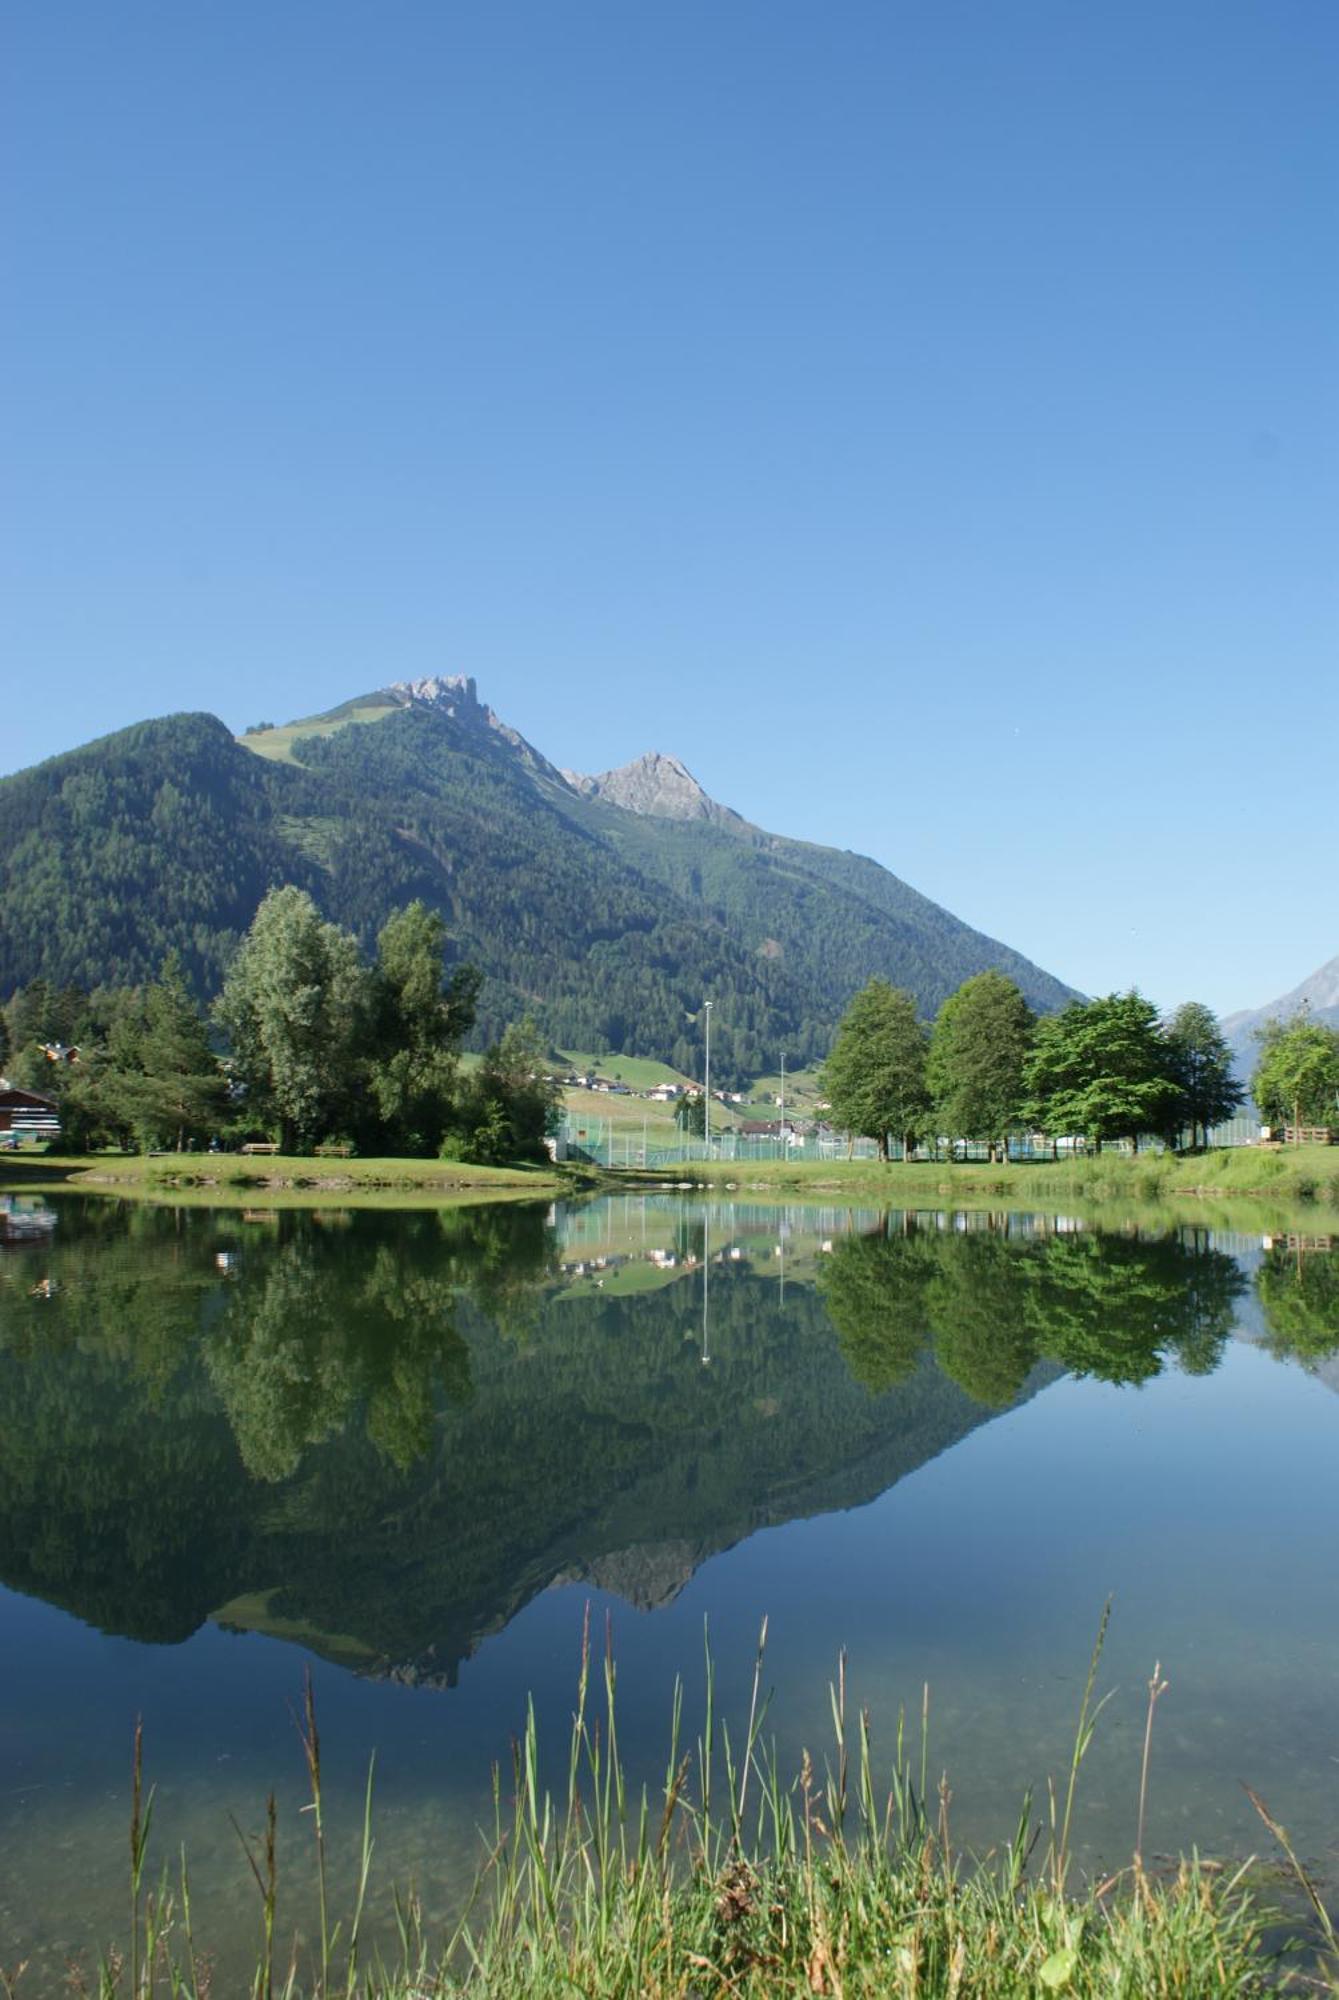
x,y
729,1878
277,744
1303,1174
638,1072
265,1179
802,1089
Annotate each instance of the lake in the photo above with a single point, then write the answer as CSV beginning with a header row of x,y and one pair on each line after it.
x,y
414,1450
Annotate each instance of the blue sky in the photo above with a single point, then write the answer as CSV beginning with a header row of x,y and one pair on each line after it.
x,y
920,418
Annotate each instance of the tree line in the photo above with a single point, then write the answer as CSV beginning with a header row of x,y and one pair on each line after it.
x,y
310,1042
1103,1069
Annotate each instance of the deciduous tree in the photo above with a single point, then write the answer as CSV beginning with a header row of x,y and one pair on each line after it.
x,y
420,1018
978,1046
1101,1068
1296,1080
296,1006
874,1078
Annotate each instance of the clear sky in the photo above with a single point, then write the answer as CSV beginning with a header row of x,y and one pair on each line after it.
x,y
921,418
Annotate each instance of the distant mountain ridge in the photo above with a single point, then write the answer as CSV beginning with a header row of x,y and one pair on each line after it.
x,y
1318,993
609,906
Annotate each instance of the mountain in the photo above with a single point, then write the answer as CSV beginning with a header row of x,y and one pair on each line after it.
x,y
608,906
1318,993
659,786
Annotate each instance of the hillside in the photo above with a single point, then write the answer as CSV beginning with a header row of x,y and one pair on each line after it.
x,y
1318,993
609,906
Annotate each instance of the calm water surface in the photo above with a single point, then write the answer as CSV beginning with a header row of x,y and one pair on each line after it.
x,y
410,1449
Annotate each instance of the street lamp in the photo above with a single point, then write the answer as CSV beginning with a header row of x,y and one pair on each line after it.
x,y
706,1090
781,1129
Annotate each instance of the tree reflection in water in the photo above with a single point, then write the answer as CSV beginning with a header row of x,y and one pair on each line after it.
x,y
992,1304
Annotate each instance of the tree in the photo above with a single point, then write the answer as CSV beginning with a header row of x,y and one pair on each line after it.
x,y
1202,1069
1114,1307
690,1114
1101,1068
978,1046
420,1022
296,1006
154,1081
1296,1080
512,1105
873,1289
977,1303
874,1078
1299,1292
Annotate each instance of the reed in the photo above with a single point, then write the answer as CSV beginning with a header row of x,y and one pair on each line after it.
x,y
727,1880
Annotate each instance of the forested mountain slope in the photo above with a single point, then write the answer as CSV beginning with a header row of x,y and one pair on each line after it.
x,y
610,921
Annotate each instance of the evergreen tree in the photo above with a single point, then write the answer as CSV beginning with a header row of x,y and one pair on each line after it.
x,y
1202,1068
1101,1068
513,1104
979,1044
154,1080
874,1078
690,1114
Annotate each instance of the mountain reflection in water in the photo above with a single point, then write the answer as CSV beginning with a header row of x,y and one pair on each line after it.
x,y
386,1433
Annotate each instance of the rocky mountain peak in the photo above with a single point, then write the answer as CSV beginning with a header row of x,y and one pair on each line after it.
x,y
457,694
660,786
457,697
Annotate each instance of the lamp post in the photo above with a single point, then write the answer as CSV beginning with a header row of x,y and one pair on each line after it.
x,y
706,1090
782,1127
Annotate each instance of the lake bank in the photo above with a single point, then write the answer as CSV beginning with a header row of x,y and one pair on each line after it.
x,y
224,1179
1305,1175
1293,1189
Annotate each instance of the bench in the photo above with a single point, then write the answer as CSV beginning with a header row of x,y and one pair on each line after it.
x,y
260,1146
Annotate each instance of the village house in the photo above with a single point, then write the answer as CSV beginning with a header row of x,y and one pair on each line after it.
x,y
27,1113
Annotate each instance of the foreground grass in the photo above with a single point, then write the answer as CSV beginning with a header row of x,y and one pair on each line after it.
x,y
730,1881
1298,1174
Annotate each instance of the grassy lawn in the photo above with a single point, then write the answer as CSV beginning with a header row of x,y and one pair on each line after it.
x,y
276,1179
638,1072
1302,1174
802,1091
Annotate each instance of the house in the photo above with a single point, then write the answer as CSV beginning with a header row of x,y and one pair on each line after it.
x,y
27,1111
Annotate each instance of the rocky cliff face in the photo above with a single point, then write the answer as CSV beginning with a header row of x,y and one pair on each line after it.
x,y
657,786
457,697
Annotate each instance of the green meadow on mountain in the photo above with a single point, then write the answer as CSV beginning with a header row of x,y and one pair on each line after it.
x,y
608,907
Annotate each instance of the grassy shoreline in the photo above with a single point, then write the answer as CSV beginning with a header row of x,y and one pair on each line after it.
x,y
728,1878
1300,1183
231,1177
1301,1175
